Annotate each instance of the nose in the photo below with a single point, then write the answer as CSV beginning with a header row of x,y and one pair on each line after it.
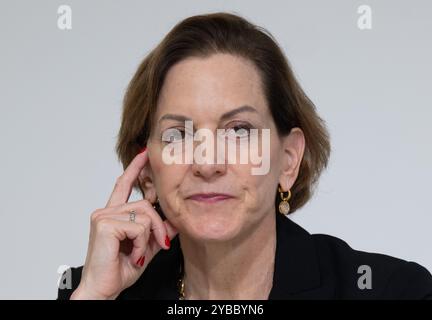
x,y
209,170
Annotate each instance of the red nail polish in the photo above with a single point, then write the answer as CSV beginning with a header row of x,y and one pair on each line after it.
x,y
143,149
142,261
139,260
167,242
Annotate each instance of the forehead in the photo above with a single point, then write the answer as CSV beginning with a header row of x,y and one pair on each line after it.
x,y
214,84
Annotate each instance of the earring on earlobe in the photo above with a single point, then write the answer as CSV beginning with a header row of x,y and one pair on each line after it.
x,y
284,206
156,202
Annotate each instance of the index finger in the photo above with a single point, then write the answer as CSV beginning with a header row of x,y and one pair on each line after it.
x,y
125,182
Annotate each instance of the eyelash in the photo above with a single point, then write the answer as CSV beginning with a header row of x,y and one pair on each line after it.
x,y
245,126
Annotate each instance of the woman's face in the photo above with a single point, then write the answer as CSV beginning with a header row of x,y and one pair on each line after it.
x,y
204,90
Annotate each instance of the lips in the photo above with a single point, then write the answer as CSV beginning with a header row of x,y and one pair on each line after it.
x,y
210,197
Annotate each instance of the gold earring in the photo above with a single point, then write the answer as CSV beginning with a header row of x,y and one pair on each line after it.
x,y
284,206
156,202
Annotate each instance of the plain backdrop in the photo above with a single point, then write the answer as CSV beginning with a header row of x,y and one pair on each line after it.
x,y
61,93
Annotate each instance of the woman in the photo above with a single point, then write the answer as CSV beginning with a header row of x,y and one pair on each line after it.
x,y
212,229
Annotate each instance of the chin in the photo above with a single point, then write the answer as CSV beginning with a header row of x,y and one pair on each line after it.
x,y
217,228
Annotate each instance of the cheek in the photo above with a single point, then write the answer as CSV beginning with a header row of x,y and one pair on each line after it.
x,y
251,187
168,181
169,177
262,188
166,177
258,190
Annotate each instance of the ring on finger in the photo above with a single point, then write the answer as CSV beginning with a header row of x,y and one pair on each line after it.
x,y
132,215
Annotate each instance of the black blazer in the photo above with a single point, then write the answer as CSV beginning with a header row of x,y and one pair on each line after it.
x,y
306,267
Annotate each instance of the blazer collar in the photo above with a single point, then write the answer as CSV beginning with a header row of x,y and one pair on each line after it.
x,y
296,262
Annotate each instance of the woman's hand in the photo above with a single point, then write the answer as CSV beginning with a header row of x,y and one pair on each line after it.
x,y
119,250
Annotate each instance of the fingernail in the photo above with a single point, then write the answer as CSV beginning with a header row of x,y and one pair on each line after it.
x,y
167,242
143,149
140,261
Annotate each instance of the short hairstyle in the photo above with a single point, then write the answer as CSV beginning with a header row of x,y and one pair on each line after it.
x,y
222,32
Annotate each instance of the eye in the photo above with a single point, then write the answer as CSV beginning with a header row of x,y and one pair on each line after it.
x,y
173,135
240,130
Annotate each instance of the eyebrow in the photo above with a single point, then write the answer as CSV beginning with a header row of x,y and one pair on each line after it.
x,y
227,115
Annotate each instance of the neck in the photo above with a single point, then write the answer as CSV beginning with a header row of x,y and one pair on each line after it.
x,y
239,269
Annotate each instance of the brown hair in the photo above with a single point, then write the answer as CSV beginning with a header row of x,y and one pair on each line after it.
x,y
207,34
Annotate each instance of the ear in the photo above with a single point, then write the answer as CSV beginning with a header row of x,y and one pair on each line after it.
x,y
146,183
293,146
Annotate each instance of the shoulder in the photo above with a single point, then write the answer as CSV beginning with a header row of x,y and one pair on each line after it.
x,y
359,274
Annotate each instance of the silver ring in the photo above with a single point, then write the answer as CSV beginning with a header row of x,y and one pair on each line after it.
x,y
132,216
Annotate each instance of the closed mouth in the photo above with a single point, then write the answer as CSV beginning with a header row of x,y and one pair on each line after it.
x,y
210,197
